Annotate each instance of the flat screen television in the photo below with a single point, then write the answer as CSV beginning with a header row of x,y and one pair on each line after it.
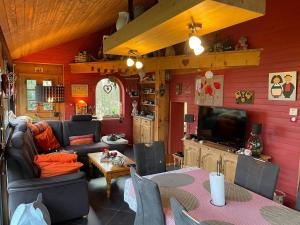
x,y
222,125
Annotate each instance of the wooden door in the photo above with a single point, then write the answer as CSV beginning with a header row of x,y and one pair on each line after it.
x,y
26,104
136,130
229,166
191,155
209,158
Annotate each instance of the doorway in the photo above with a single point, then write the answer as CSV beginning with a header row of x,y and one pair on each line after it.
x,y
177,126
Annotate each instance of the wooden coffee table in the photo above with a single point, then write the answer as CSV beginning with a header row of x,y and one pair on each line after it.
x,y
109,170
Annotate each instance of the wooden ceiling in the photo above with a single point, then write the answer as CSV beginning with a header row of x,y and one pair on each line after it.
x,y
33,25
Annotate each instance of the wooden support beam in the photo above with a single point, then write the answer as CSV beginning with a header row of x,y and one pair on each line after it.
x,y
166,23
4,52
213,61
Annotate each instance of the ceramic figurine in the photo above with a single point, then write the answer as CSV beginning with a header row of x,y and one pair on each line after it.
x,y
134,108
122,20
242,43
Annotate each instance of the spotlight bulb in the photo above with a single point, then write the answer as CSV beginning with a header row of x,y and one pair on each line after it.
x,y
199,50
130,62
139,65
194,42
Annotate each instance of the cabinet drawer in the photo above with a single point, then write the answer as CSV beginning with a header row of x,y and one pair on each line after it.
x,y
146,123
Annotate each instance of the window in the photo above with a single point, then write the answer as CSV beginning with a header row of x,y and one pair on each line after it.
x,y
31,101
108,99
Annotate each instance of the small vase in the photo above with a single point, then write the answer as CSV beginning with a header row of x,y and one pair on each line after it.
x,y
122,20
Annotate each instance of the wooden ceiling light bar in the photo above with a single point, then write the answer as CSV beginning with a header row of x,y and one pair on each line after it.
x,y
166,23
212,61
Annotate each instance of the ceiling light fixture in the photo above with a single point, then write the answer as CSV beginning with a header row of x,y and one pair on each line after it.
x,y
194,41
139,64
130,61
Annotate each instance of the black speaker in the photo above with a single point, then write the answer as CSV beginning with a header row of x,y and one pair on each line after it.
x,y
256,128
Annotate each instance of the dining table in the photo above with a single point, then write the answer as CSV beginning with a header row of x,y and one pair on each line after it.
x,y
191,187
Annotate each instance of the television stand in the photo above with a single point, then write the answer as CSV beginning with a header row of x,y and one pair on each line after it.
x,y
207,154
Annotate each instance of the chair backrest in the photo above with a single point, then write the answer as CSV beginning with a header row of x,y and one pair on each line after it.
x,y
181,216
256,176
298,200
136,180
149,207
150,158
151,201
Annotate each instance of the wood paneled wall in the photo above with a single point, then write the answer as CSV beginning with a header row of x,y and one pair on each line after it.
x,y
277,34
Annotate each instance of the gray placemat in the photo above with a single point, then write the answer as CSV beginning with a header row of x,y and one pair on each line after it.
x,y
233,192
187,199
173,179
216,222
277,215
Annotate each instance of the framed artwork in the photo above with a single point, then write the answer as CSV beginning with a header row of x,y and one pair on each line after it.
x,y
244,97
209,92
80,90
282,86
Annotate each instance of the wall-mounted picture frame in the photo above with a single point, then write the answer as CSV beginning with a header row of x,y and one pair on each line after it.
x,y
282,86
209,92
80,90
244,97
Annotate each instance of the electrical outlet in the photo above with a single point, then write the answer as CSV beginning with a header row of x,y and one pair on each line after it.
x,y
293,112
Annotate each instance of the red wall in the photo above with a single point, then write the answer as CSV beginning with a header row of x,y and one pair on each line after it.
x,y
278,34
64,54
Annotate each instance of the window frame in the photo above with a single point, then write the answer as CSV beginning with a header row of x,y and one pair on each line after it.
x,y
121,100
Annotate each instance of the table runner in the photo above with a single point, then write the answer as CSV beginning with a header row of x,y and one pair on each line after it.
x,y
257,210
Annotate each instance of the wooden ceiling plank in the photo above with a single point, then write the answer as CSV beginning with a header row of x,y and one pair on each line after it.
x,y
166,23
40,24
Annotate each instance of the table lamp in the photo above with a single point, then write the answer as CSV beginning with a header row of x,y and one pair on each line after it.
x,y
188,118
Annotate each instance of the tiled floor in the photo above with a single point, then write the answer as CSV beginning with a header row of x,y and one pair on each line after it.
x,y
108,211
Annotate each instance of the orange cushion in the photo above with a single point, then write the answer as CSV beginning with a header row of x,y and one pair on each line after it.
x,y
56,157
38,128
57,164
81,140
46,140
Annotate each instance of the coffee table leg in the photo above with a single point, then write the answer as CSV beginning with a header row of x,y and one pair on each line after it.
x,y
108,182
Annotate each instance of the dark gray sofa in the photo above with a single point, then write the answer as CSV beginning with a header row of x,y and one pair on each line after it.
x,y
66,196
65,129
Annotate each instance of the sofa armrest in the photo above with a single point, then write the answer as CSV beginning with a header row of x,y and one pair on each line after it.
x,y
38,183
66,196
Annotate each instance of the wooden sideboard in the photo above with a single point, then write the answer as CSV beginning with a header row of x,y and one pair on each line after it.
x,y
143,129
207,154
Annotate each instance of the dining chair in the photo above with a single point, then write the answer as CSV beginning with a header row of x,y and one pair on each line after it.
x,y
150,158
181,216
136,180
298,199
259,177
149,207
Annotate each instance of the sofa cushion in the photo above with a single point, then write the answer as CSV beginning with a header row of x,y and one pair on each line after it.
x,y
57,164
57,129
23,151
46,140
38,128
85,149
82,139
76,128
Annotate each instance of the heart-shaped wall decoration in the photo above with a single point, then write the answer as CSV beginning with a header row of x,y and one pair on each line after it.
x,y
107,88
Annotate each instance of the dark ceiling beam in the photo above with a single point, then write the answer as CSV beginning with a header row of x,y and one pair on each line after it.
x,y
5,50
